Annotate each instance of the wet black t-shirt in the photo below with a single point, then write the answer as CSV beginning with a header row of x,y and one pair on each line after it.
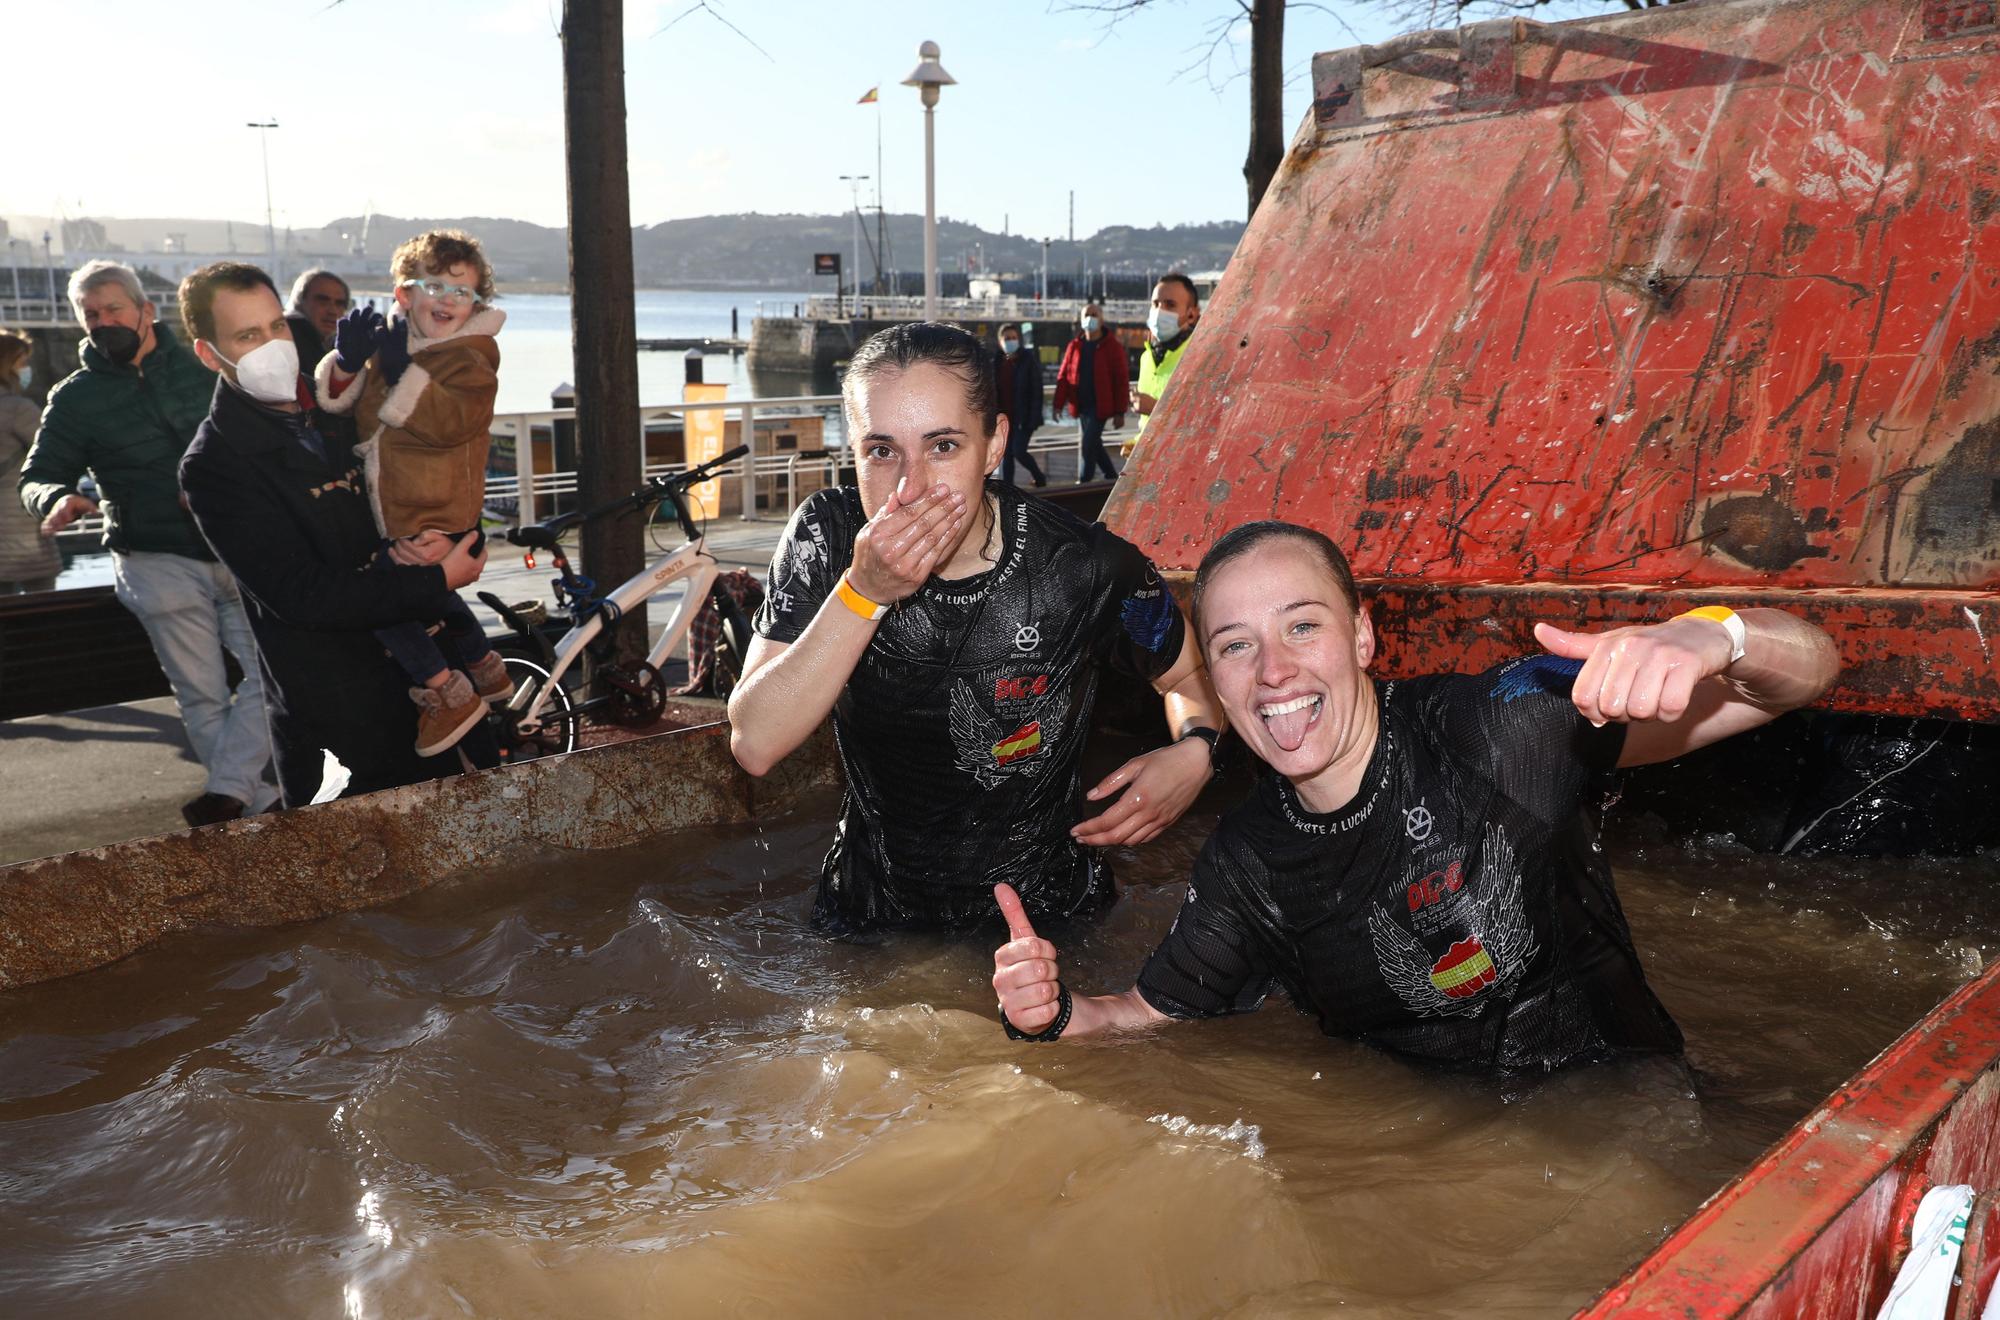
x,y
1459,909
961,730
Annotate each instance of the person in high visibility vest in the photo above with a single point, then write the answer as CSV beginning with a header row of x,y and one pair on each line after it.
x,y
1169,326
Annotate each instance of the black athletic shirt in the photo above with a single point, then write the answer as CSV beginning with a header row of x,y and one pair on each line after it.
x,y
1459,909
961,730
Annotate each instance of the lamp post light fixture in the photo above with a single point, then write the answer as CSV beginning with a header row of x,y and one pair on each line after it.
x,y
928,77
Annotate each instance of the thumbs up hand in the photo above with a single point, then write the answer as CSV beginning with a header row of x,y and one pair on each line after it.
x,y
1025,975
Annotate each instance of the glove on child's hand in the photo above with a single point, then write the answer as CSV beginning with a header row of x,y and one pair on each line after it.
x,y
356,338
393,352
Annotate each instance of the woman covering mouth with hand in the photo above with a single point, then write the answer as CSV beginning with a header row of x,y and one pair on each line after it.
x,y
1418,866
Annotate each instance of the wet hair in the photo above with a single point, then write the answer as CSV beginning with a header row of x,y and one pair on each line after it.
x,y
304,282
436,251
1176,277
14,350
1240,541
929,343
198,292
96,274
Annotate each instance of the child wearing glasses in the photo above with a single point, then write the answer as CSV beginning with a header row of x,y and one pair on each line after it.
x,y
421,387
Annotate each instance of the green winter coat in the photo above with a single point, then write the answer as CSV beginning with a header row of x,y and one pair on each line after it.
x,y
127,427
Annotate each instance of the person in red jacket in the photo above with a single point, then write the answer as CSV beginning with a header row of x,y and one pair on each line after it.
x,y
1093,384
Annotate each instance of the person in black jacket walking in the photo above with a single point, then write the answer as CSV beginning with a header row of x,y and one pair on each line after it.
x,y
1018,374
278,492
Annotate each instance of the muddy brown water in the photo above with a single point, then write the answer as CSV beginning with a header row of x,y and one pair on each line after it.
x,y
638,1084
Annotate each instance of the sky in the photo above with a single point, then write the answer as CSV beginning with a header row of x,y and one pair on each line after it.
x,y
423,108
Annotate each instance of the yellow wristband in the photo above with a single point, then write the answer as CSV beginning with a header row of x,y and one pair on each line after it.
x,y
857,602
1732,625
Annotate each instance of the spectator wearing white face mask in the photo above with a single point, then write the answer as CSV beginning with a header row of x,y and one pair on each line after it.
x,y
1169,326
28,560
1018,381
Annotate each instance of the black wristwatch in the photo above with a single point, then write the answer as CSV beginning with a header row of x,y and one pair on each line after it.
x,y
1048,1033
1212,737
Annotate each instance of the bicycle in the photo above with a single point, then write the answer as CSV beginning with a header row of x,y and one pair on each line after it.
x,y
544,715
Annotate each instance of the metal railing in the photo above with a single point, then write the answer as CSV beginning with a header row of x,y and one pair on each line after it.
x,y
34,309
1008,307
531,494
528,491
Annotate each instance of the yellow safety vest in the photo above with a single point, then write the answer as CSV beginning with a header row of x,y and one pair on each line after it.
x,y
1153,380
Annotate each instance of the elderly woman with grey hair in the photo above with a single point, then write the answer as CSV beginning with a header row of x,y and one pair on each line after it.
x,y
126,418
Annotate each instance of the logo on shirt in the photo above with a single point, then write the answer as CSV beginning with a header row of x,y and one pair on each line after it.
x,y
1027,638
1417,822
992,750
1492,953
1020,687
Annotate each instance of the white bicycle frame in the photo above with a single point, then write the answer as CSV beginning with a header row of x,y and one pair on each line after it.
x,y
691,561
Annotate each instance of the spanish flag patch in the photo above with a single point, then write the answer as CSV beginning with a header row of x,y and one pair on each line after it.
x,y
1019,745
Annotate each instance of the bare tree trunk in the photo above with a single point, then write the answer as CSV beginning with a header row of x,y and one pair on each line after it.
x,y
601,304
1267,97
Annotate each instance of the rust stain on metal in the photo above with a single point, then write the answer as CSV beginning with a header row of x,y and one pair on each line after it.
x,y
1703,299
67,914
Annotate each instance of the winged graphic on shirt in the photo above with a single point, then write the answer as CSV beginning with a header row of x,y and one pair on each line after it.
x,y
1492,957
991,749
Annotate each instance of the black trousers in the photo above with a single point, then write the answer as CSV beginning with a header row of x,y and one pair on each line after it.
x,y
1017,451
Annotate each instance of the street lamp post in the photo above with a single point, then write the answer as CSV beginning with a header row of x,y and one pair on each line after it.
x,y
263,128
928,77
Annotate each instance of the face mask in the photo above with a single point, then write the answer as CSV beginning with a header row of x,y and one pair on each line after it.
x,y
1163,323
1010,346
119,343
1090,324
27,375
268,373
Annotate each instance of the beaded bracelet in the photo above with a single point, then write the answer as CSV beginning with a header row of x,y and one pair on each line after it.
x,y
1050,1032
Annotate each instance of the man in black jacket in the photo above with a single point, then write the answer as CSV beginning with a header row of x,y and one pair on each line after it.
x,y
277,490
1018,377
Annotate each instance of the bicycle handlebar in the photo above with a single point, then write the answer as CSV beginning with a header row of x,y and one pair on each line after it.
x,y
542,536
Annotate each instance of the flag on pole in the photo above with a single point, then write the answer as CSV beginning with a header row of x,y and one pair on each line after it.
x,y
868,98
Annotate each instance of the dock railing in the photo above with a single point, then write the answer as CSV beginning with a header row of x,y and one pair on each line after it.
x,y
1007,307
531,494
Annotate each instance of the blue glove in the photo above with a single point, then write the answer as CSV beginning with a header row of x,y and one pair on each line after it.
x,y
392,352
356,338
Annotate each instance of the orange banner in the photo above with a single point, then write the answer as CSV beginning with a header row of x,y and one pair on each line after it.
x,y
706,437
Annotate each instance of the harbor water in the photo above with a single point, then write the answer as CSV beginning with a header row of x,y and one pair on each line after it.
x,y
640,1084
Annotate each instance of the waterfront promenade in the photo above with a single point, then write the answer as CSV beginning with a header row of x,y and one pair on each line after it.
x,y
86,778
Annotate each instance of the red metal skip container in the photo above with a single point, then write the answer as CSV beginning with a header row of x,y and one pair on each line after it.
x,y
1595,321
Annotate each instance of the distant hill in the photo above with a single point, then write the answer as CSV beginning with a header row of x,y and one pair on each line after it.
x,y
733,251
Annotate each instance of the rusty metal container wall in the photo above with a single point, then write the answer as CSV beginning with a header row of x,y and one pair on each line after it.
x,y
80,910
1615,315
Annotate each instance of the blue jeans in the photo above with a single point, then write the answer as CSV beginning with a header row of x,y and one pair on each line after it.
x,y
192,614
1094,452
422,657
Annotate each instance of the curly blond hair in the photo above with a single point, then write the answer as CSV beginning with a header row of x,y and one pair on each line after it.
x,y
436,251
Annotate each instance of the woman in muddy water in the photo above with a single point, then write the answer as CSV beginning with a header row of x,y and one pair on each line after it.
x,y
954,628
1419,865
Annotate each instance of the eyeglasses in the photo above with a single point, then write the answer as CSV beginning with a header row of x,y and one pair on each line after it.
x,y
439,289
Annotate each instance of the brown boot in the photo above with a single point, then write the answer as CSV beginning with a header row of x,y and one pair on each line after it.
x,y
489,677
449,712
